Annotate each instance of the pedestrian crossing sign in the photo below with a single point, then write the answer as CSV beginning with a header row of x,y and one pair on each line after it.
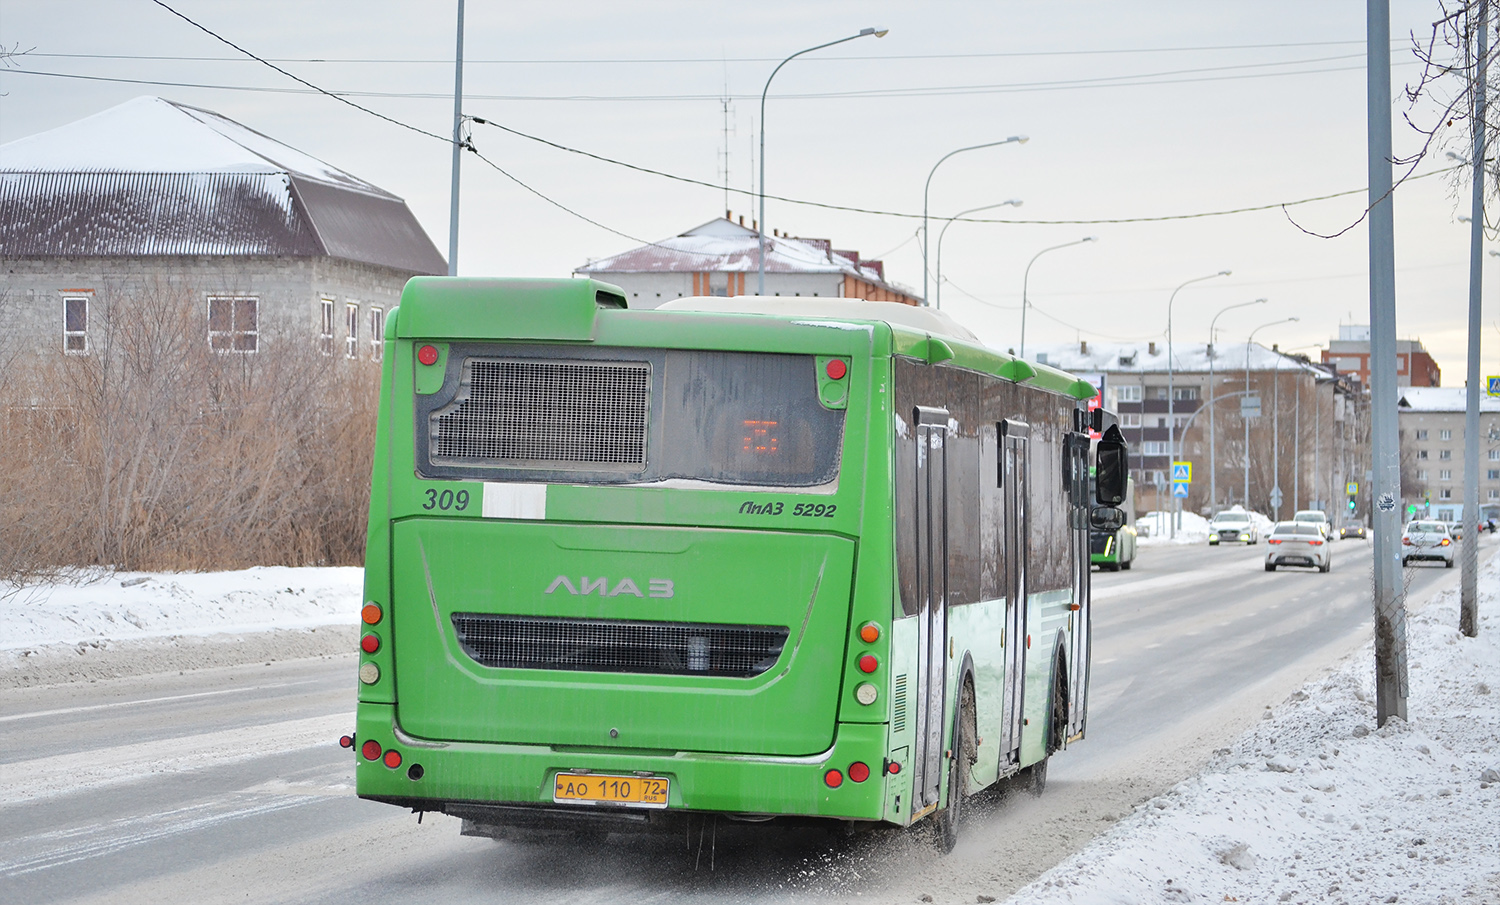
x,y
1492,386
1179,489
1182,471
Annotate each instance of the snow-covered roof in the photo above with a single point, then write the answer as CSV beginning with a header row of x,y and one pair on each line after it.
x,y
1186,358
722,245
924,320
1441,399
151,176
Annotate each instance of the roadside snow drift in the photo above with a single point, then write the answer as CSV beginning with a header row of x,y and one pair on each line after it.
x,y
1316,805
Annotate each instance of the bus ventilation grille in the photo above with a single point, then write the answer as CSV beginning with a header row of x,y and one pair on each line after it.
x,y
898,707
527,411
617,645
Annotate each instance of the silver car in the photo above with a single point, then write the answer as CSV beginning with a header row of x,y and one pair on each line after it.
x,y
1298,544
1427,540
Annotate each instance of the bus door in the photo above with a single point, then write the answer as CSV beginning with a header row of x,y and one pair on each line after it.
x,y
1078,524
932,589
1014,439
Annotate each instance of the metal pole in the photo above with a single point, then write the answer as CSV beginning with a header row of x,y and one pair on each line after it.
x,y
458,122
1468,617
927,187
1171,418
1014,202
760,228
1390,596
1276,439
1297,445
1026,282
1213,474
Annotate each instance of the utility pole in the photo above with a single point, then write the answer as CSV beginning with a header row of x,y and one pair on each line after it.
x,y
458,147
1468,616
1385,461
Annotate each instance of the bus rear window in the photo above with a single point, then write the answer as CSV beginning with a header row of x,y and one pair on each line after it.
x,y
628,416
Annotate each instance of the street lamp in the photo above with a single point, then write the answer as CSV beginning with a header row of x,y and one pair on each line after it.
x,y
863,32
1026,281
1213,474
1285,320
1014,202
1014,139
1171,391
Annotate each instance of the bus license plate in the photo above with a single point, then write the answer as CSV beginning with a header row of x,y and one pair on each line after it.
x,y
600,788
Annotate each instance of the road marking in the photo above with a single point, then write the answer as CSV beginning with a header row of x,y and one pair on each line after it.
x,y
64,774
175,697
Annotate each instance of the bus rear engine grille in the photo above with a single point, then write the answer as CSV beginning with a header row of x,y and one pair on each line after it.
x,y
619,645
525,411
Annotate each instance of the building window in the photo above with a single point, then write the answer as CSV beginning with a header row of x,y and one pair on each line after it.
x,y
1156,392
1128,393
1445,494
1421,474
233,323
1421,454
1493,474
351,329
76,323
1156,477
1445,434
377,334
1422,434
1495,455
1445,474
1494,494
1154,448
325,327
1130,419
1184,394
1445,454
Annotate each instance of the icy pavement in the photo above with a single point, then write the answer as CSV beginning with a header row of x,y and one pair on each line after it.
x,y
1316,805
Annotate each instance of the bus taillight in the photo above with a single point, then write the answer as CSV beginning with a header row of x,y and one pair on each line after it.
x,y
370,643
371,750
393,758
427,355
834,779
868,663
859,772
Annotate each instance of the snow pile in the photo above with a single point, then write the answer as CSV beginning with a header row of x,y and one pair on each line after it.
x,y
1156,528
129,606
1316,805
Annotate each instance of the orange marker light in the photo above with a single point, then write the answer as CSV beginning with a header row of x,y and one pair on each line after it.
x,y
370,614
869,633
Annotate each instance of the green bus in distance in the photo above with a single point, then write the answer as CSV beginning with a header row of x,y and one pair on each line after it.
x,y
734,558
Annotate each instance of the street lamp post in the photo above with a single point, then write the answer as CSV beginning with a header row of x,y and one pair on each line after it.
x,y
1026,282
1014,139
1171,420
761,227
1014,202
1213,474
1248,342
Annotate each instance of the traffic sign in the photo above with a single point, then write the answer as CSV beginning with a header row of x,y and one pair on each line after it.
x,y
1275,497
1179,489
1249,406
1182,471
1351,488
1492,386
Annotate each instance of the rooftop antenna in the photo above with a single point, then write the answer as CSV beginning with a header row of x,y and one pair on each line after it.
x,y
728,107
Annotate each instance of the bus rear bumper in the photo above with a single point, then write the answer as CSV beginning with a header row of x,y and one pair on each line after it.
x,y
493,786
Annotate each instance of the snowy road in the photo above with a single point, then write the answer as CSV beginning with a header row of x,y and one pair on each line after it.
x,y
226,785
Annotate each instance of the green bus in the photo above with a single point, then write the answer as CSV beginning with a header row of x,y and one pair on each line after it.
x,y
743,559
1114,550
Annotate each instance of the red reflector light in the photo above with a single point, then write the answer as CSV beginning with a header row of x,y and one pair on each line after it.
x,y
893,768
370,614
371,750
868,663
834,779
869,633
836,370
393,759
346,741
369,643
427,355
859,772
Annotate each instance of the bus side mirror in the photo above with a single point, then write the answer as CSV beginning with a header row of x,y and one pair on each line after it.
x,y
1107,519
1113,468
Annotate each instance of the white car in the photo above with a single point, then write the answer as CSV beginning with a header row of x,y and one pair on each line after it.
x,y
1298,544
1427,540
1315,517
1232,526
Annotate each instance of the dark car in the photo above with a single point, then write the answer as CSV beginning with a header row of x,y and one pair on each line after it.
x,y
1352,529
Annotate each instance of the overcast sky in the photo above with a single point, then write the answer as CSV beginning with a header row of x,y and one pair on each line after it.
x,y
1138,110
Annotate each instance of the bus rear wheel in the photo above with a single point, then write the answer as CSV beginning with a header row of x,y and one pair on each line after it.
x,y
964,756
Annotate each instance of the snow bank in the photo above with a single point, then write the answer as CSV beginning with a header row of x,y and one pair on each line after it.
x,y
1316,805
1194,529
129,606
